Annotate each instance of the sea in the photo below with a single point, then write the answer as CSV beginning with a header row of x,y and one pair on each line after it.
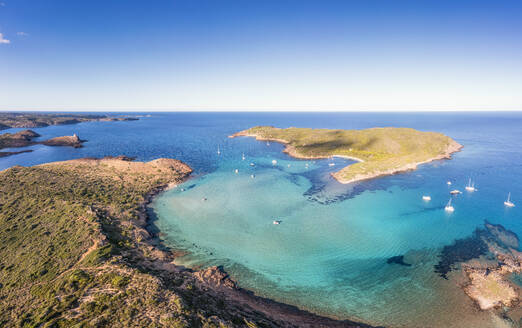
x,y
331,252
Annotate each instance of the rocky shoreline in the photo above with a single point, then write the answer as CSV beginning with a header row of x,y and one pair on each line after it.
x,y
486,259
214,280
452,147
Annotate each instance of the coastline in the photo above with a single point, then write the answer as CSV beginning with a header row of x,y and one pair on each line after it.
x,y
216,280
452,148
113,260
291,151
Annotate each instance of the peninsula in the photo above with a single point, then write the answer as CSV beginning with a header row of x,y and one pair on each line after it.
x,y
77,249
378,151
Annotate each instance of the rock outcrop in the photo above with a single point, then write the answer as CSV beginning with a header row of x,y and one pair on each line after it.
x,y
71,141
487,259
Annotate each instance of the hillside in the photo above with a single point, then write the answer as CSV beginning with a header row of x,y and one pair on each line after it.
x,y
379,151
75,251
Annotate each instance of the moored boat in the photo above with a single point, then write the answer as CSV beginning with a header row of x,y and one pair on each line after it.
x,y
508,202
449,207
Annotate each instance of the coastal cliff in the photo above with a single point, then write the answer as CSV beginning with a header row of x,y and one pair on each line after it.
x,y
378,151
77,250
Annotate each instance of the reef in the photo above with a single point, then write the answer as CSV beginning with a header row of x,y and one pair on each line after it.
x,y
487,258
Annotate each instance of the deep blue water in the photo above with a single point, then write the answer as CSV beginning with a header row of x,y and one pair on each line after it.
x,y
329,254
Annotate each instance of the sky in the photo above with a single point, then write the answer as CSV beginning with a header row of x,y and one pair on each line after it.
x,y
260,55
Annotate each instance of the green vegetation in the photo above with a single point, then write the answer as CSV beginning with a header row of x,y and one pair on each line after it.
x,y
73,251
380,150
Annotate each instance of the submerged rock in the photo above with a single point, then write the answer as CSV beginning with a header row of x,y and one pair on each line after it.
x,y
488,279
397,260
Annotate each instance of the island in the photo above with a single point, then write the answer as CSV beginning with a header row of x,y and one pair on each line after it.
x,y
25,138
378,151
36,120
78,248
71,141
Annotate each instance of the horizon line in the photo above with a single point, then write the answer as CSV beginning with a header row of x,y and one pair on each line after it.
x,y
253,110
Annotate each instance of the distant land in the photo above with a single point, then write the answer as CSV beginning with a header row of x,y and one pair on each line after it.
x,y
378,151
37,120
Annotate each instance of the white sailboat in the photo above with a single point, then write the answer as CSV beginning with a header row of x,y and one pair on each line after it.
x,y
455,192
331,162
508,202
448,183
426,198
449,207
471,186
243,157
218,151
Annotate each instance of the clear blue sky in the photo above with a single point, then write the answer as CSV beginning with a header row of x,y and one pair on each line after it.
x,y
262,55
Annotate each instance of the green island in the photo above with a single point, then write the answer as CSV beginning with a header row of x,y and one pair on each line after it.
x,y
379,151
36,120
77,250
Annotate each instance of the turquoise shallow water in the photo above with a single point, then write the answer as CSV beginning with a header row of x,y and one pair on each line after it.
x,y
330,252
328,258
